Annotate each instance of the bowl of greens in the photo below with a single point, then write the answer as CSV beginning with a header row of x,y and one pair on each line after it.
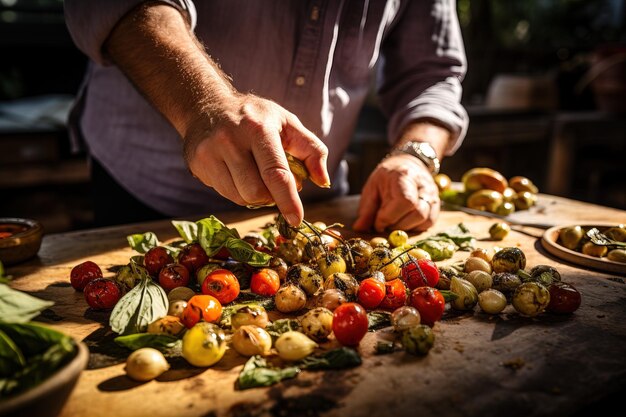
x,y
39,366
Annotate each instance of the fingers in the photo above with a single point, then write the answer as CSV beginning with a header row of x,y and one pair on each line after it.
x,y
304,145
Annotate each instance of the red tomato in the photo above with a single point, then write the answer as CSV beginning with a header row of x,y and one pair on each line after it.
x,y
420,273
429,302
83,273
172,276
102,293
221,284
350,323
193,256
395,295
201,307
155,259
564,298
265,281
371,293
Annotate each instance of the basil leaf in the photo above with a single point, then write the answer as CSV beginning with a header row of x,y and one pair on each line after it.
x,y
378,320
11,357
142,243
187,230
257,373
340,358
19,307
448,295
439,248
32,338
242,251
280,326
142,305
162,342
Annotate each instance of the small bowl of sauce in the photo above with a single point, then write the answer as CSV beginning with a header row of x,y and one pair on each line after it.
x,y
20,239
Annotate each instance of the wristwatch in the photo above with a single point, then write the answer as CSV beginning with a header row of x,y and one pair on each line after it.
x,y
422,151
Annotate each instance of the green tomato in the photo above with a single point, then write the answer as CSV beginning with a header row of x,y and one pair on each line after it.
x,y
398,238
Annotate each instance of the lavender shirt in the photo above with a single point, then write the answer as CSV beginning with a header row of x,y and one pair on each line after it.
x,y
315,58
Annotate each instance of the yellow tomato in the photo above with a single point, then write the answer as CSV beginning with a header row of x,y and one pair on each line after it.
x,y
204,344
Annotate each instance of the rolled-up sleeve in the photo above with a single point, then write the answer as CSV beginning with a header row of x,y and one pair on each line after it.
x,y
422,69
91,21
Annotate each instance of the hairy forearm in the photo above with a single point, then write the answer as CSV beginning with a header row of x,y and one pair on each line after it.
x,y
155,48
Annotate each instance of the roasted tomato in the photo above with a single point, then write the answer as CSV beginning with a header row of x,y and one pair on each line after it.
x,y
155,259
420,273
395,295
201,307
83,273
265,282
102,293
221,284
371,293
564,298
429,302
350,323
172,276
193,257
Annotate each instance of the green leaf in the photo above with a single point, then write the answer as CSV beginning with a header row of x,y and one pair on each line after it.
x,y
448,295
162,342
280,326
439,248
378,320
187,230
4,279
32,338
340,358
142,243
242,251
142,305
257,373
11,357
213,234
19,307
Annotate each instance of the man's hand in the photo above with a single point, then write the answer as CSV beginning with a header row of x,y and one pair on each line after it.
x,y
399,194
241,154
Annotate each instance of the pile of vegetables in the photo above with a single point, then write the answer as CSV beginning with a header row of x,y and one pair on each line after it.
x,y
212,290
609,243
30,353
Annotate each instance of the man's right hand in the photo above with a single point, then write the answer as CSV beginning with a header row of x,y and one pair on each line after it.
x,y
240,152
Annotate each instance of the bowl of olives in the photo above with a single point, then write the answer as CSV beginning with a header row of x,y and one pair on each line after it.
x,y
598,246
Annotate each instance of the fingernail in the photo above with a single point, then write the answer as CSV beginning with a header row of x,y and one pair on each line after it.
x,y
326,185
292,219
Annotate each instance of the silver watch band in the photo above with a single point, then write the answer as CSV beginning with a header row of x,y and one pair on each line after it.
x,y
422,151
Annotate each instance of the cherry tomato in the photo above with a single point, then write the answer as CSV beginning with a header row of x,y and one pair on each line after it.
x,y
83,273
201,307
371,293
221,284
172,276
350,323
395,295
102,293
155,259
193,257
564,298
420,273
265,281
429,302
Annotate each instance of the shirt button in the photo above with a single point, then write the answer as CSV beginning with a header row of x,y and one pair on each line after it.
x,y
300,80
315,13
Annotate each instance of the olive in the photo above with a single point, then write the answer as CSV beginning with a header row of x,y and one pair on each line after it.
x,y
510,259
474,263
481,280
443,181
530,298
331,263
361,251
505,282
499,230
309,279
492,301
344,282
592,249
616,233
571,236
383,260
482,253
505,208
617,255
545,274
485,200
521,184
524,200
279,265
508,194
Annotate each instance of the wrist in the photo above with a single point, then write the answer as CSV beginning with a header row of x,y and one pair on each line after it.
x,y
420,150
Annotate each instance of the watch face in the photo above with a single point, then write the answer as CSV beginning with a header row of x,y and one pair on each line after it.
x,y
427,150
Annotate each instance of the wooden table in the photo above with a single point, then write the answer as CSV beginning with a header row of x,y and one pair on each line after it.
x,y
480,365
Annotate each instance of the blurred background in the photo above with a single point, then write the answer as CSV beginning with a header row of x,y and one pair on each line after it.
x,y
545,91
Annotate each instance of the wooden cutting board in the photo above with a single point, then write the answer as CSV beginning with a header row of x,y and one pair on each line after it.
x,y
480,365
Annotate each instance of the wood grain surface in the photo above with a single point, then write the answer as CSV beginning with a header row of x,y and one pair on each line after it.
x,y
480,365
